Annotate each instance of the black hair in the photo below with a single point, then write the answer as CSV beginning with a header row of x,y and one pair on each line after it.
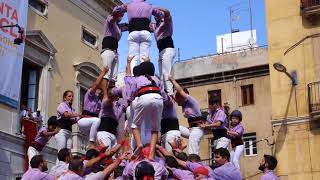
x,y
171,162
223,153
214,100
92,153
118,171
66,93
271,161
194,158
147,69
75,165
136,71
63,154
52,121
144,169
36,161
236,113
76,157
182,156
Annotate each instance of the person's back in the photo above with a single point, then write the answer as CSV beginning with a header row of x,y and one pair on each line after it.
x,y
269,175
64,156
140,9
37,169
226,172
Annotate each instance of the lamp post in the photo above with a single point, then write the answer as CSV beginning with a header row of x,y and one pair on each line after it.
x,y
20,39
281,68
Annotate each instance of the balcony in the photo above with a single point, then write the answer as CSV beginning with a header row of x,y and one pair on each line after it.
x,y
314,100
310,9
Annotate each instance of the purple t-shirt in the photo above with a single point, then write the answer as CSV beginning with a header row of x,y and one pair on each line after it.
x,y
160,171
164,29
91,102
111,28
115,110
269,175
40,138
139,9
133,84
216,116
34,173
226,172
238,129
194,165
70,176
62,108
191,107
169,109
182,174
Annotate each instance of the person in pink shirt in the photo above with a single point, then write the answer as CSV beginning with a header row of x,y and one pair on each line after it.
x,y
37,170
235,133
43,136
66,118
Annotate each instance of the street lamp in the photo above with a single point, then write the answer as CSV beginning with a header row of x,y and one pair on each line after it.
x,y
281,68
21,37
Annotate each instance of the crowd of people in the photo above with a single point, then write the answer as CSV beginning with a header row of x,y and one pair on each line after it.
x,y
143,109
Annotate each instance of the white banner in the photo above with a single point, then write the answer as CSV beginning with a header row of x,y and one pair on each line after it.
x,y
12,12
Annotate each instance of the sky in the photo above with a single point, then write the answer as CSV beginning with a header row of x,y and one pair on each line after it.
x,y
198,22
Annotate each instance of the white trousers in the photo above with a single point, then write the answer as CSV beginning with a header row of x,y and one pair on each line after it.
x,y
139,43
195,135
106,138
235,155
32,152
110,59
145,132
89,126
148,109
221,143
63,139
170,136
166,58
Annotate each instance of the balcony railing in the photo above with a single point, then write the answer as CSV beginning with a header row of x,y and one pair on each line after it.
x,y
310,8
314,97
309,3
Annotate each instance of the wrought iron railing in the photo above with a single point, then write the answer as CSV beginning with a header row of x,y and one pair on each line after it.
x,y
309,3
314,97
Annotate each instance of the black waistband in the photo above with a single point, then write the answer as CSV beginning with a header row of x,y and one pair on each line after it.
x,y
37,146
166,42
236,142
88,113
109,125
139,24
169,124
110,43
65,124
195,121
219,133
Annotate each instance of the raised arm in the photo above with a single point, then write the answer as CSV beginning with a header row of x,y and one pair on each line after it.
x,y
178,87
128,67
119,9
99,79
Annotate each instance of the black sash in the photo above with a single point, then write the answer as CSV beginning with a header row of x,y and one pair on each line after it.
x,y
139,24
88,113
164,43
109,125
37,146
110,43
65,124
236,142
219,133
195,121
169,124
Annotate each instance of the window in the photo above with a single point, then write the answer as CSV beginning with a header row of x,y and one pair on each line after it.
x,y
211,151
215,93
247,95
39,6
30,85
89,37
250,145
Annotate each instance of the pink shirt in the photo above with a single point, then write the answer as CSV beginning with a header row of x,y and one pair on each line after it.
x,y
36,174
